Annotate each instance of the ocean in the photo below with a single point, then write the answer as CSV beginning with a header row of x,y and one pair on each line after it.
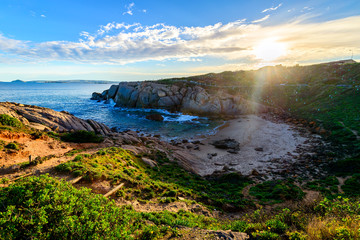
x,y
75,98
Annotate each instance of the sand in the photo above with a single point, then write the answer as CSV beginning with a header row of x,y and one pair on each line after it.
x,y
277,140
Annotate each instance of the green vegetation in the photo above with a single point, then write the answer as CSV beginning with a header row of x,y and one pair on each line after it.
x,y
328,186
7,120
48,209
13,146
352,185
327,94
82,136
4,180
36,161
271,192
346,167
45,208
164,183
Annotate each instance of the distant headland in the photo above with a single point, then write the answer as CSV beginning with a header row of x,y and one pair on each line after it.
x,y
65,81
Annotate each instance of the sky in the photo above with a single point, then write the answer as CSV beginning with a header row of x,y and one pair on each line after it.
x,y
124,40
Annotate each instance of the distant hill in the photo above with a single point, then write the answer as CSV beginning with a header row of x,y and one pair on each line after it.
x,y
67,81
75,81
17,81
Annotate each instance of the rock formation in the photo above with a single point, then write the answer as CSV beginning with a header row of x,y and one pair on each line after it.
x,y
45,118
183,98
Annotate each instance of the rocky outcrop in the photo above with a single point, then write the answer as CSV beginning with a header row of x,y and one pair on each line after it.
x,y
155,117
56,121
187,99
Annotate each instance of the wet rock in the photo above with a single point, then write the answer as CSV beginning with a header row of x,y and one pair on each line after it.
x,y
155,117
233,151
259,149
227,143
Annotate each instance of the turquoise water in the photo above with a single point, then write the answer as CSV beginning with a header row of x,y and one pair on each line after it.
x,y
75,98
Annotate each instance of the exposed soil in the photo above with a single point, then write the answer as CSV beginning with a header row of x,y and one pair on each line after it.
x,y
42,147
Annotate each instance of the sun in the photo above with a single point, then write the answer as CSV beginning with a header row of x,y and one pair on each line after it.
x,y
269,50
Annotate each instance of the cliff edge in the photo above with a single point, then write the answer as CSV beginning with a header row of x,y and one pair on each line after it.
x,y
187,99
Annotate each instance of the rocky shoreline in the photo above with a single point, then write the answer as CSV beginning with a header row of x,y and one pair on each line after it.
x,y
266,146
50,120
184,98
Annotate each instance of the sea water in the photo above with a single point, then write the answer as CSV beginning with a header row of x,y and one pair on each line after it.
x,y
75,99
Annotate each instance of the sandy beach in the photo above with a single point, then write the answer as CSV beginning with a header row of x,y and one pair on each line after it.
x,y
262,144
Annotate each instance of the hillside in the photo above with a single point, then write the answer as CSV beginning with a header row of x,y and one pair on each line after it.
x,y
327,94
132,186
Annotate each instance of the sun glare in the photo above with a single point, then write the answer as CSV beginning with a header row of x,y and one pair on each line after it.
x,y
269,50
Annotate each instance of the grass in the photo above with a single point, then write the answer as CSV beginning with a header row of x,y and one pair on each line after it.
x,y
346,167
164,183
351,186
327,186
46,208
271,192
13,146
7,120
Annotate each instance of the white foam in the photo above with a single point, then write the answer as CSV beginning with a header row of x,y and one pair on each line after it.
x,y
181,118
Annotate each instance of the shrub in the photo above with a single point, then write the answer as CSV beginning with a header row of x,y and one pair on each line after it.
x,y
45,208
352,186
13,146
82,136
239,226
266,235
276,192
346,166
276,226
4,180
9,121
48,209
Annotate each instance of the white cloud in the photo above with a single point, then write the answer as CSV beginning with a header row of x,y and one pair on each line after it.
x,y
129,9
261,19
120,43
188,59
43,16
272,8
307,9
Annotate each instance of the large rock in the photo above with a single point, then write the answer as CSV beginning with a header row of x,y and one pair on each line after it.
x,y
112,91
227,143
155,117
61,121
193,100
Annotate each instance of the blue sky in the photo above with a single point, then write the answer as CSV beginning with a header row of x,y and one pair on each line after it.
x,y
139,40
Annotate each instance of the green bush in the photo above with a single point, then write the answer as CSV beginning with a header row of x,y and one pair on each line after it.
x,y
13,146
276,226
44,208
352,186
346,167
82,136
9,121
271,192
